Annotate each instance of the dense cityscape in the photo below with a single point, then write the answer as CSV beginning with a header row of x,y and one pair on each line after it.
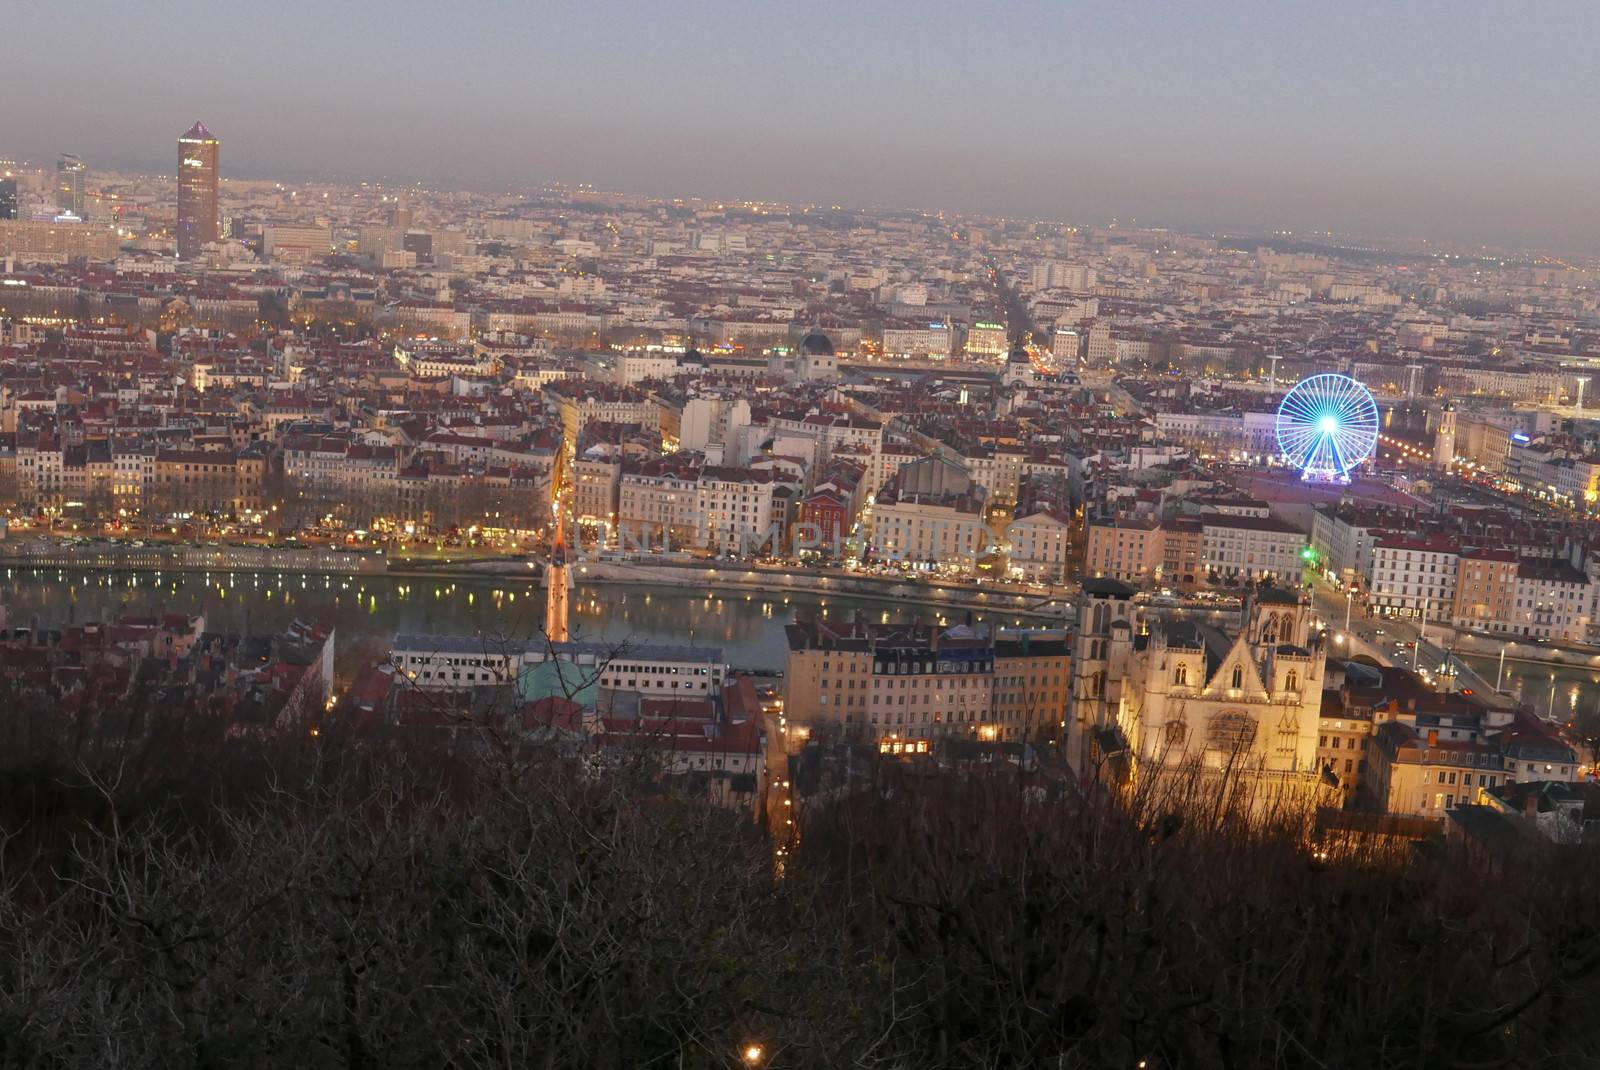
x,y
738,633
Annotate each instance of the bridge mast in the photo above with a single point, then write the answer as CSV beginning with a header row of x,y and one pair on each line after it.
x,y
558,573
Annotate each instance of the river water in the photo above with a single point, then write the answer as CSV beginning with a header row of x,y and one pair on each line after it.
x,y
1576,687
369,611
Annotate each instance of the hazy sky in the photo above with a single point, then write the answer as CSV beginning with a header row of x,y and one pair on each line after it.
x,y
1461,120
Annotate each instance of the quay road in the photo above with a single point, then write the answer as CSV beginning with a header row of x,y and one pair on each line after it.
x,y
178,557
1381,634
945,598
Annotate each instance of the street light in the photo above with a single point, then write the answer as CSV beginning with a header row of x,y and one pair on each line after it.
x,y
1422,631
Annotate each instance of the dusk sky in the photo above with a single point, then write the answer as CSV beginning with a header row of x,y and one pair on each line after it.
x,y
1458,121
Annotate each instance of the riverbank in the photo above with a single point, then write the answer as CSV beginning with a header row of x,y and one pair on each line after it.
x,y
686,574
1032,604
181,558
368,611
1522,651
710,576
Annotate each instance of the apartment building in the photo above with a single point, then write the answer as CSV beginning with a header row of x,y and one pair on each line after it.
x,y
1182,544
658,500
1246,548
1485,589
930,517
890,684
426,361
918,340
580,402
1032,682
1038,546
735,510
1552,600
1129,549
1414,577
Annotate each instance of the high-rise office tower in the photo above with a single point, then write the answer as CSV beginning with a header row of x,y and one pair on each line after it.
x,y
197,190
69,185
8,198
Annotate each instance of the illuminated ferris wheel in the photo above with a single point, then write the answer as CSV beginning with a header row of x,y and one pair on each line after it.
x,y
1327,425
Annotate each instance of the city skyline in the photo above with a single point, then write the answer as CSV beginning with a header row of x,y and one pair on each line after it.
x,y
1161,117
753,538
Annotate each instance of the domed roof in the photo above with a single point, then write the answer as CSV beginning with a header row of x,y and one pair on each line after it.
x,y
816,344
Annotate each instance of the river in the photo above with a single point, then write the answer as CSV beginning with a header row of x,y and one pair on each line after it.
x,y
368,611
1576,687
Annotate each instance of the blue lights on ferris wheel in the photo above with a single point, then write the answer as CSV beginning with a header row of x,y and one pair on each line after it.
x,y
1327,425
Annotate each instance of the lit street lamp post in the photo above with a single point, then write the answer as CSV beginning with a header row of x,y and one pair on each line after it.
x,y
1422,632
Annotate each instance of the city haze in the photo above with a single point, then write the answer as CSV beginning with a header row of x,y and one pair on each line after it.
x,y
1455,122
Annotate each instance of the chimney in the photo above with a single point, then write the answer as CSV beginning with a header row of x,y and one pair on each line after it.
x,y
1530,805
1433,738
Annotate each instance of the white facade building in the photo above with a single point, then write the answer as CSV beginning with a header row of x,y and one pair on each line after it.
x,y
1248,547
1414,578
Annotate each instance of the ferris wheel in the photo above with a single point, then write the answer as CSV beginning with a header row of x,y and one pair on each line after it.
x,y
1327,425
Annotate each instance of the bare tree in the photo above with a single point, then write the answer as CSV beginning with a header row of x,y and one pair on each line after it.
x,y
369,898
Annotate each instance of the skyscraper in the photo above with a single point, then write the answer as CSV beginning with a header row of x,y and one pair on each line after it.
x,y
69,185
197,190
8,198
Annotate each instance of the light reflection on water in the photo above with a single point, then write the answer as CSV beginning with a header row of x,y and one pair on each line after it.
x,y
1576,687
369,610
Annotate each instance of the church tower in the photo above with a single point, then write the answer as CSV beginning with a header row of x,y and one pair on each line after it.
x,y
1444,438
1019,364
1101,684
